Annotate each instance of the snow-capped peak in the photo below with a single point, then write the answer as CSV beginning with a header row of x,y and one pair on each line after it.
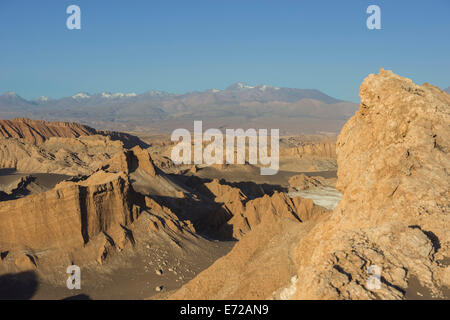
x,y
43,98
81,95
117,95
156,93
241,85
265,87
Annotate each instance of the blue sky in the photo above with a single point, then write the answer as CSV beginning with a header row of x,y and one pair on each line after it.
x,y
180,46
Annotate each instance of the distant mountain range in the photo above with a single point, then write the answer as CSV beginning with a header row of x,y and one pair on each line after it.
x,y
447,90
238,105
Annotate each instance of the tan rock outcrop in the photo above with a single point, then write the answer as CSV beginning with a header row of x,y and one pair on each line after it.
x,y
391,224
144,161
393,160
38,131
313,149
245,214
278,204
162,217
129,160
69,156
261,262
303,182
26,262
70,214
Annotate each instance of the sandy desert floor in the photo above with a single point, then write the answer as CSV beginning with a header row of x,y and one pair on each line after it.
x,y
137,276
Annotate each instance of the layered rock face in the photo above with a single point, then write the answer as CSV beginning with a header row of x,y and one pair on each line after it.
x,y
388,237
74,211
244,214
279,205
393,160
129,160
308,156
68,215
38,131
261,262
69,156
303,182
83,217
317,149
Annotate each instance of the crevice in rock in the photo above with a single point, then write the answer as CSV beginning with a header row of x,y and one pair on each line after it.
x,y
84,214
339,269
393,286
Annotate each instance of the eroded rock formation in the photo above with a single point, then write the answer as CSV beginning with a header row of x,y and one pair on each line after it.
x,y
313,149
393,160
86,217
70,214
38,131
69,156
262,260
393,157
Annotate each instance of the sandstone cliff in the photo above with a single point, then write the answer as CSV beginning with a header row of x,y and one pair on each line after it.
x,y
84,218
393,158
38,131
68,215
69,156
314,149
262,260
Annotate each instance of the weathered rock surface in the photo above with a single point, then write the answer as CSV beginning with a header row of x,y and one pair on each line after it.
x,y
313,149
393,157
244,213
87,218
308,156
38,131
70,214
279,205
262,260
129,160
69,156
21,186
303,182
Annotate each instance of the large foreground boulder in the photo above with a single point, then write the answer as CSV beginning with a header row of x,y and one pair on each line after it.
x,y
393,219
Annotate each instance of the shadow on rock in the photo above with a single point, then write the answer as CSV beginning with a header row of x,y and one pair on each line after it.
x,y
78,297
18,286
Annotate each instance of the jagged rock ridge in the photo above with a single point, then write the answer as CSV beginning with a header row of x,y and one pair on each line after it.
x,y
393,164
39,131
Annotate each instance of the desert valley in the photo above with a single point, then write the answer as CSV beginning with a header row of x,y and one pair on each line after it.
x,y
89,181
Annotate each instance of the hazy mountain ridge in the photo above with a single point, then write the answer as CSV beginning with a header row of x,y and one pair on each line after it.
x,y
237,105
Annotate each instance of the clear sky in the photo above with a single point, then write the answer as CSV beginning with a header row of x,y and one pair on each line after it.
x,y
180,46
